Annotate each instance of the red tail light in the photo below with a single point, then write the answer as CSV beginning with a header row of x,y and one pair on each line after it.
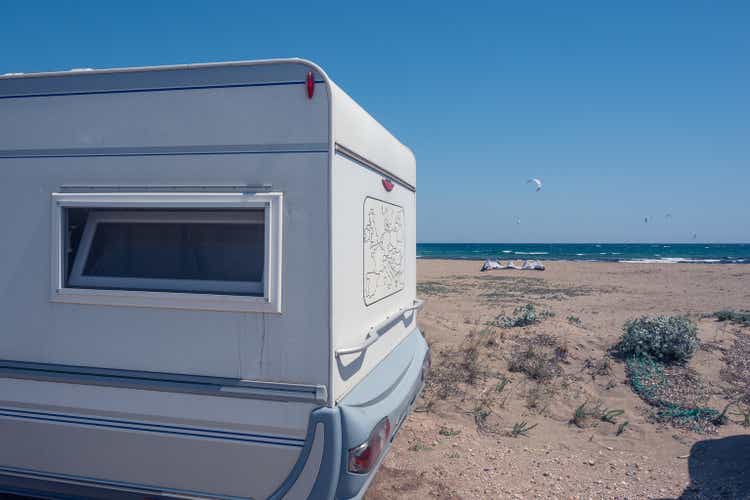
x,y
364,457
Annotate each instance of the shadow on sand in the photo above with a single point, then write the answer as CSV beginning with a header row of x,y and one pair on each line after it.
x,y
719,468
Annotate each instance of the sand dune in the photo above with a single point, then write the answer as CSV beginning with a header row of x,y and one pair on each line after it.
x,y
461,444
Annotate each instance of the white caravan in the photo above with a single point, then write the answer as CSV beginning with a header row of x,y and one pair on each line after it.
x,y
208,284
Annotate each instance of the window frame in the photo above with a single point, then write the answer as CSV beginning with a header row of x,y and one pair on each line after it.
x,y
271,203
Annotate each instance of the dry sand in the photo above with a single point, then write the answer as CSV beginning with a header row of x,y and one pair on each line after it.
x,y
460,446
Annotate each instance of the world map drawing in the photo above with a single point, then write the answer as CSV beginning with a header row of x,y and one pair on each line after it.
x,y
384,249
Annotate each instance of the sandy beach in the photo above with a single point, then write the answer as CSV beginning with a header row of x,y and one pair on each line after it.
x,y
461,443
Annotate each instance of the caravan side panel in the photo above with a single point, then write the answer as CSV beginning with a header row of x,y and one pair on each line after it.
x,y
155,140
371,228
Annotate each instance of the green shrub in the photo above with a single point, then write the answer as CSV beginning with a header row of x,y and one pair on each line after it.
x,y
669,339
738,317
522,316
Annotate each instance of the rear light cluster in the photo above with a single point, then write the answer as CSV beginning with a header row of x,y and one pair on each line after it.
x,y
364,457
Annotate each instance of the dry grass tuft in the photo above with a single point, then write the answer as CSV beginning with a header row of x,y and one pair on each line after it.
x,y
455,367
538,357
521,429
598,367
737,369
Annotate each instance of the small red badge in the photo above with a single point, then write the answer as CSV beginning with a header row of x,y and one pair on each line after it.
x,y
388,185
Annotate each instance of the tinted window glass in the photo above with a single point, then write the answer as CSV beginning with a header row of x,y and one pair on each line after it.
x,y
177,251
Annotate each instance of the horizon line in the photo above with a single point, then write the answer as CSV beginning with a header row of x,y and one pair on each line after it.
x,y
583,243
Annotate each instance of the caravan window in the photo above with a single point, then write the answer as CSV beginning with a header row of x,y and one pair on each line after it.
x,y
219,251
171,251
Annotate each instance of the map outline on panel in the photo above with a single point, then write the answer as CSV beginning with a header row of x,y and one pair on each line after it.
x,y
383,246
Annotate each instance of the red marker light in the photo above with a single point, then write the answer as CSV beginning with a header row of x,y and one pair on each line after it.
x,y
388,185
310,85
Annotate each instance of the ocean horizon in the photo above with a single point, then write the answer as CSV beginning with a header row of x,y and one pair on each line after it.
x,y
706,253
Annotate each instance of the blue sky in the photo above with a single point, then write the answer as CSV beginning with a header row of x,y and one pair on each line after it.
x,y
627,110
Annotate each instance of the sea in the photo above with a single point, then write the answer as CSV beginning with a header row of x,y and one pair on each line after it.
x,y
594,252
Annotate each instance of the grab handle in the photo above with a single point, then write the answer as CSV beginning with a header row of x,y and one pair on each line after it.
x,y
372,335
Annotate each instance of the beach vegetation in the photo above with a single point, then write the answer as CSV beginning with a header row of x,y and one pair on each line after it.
x,y
433,288
621,428
598,367
610,416
562,351
488,336
522,316
574,320
501,385
457,366
513,288
448,432
667,339
537,357
482,410
587,413
721,418
468,361
521,429
676,393
656,351
539,396
736,370
582,415
738,317
420,446
744,412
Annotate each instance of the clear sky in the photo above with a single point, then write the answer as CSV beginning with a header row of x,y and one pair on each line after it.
x,y
624,111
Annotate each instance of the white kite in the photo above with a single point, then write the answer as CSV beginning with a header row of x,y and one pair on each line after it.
x,y
518,220
537,182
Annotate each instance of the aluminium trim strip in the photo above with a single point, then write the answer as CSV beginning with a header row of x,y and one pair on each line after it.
x,y
163,382
149,427
179,150
353,156
149,89
114,485
161,188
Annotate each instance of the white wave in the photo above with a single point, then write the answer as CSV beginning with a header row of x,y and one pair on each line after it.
x,y
580,254
670,260
507,251
531,253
